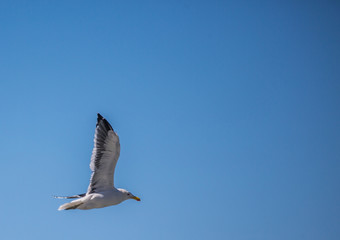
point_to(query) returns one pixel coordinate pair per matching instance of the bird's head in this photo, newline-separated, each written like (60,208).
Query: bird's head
(128,195)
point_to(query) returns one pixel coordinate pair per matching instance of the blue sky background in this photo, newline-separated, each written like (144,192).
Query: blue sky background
(227,111)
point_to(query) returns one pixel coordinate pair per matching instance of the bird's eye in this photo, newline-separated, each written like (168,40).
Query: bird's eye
(128,194)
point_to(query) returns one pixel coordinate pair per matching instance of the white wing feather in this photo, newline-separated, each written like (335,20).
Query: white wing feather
(104,157)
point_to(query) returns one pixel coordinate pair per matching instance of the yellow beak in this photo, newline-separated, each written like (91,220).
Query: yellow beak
(136,198)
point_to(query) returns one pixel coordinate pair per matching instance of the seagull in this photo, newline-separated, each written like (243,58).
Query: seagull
(101,191)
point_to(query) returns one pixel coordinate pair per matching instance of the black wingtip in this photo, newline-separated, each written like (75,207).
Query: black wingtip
(99,118)
(106,123)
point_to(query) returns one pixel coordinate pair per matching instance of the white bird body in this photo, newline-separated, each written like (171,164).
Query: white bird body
(101,191)
(97,200)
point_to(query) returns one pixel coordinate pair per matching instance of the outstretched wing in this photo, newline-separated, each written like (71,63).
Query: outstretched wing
(104,157)
(70,197)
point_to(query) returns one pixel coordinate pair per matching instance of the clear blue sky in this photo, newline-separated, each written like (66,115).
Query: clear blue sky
(227,111)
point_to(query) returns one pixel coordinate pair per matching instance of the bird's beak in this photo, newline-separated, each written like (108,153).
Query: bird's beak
(136,198)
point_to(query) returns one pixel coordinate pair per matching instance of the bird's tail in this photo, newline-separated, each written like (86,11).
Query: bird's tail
(71,205)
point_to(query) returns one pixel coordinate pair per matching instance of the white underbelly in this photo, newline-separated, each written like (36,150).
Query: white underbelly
(98,200)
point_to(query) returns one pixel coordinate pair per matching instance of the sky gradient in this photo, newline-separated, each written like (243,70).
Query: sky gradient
(227,112)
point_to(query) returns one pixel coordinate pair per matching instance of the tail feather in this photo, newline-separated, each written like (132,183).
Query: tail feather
(71,205)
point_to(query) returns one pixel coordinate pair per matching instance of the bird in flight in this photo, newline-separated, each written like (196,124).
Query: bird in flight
(101,191)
